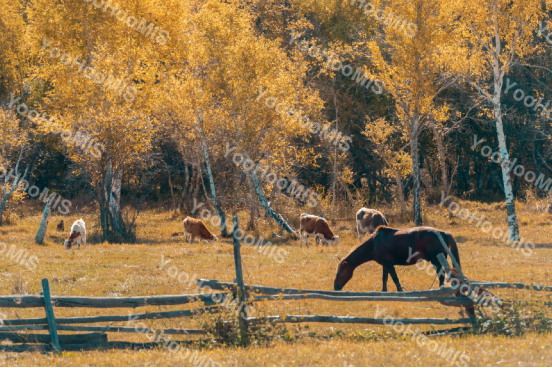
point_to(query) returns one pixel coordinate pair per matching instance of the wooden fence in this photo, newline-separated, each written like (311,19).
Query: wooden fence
(245,294)
(448,296)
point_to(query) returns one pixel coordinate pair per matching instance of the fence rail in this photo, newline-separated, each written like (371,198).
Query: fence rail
(510,285)
(100,329)
(99,319)
(362,320)
(37,301)
(217,285)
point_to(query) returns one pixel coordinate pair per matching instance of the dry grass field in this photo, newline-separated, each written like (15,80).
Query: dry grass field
(135,270)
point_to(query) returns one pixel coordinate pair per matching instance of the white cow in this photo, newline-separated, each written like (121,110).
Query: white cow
(78,234)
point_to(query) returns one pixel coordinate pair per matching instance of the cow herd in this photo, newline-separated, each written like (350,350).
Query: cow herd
(367,221)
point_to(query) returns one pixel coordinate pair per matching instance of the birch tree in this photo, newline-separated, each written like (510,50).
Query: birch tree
(228,69)
(503,32)
(416,70)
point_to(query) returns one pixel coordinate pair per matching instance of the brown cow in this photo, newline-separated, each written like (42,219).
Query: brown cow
(319,227)
(61,226)
(368,220)
(196,228)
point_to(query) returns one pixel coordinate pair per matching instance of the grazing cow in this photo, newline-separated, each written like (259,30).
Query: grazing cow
(391,247)
(319,227)
(196,228)
(61,226)
(78,234)
(368,220)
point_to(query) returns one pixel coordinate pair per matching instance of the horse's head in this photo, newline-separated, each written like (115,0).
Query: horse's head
(359,255)
(343,275)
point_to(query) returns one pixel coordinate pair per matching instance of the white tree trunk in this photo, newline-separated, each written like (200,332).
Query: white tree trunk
(498,82)
(510,201)
(277,217)
(212,185)
(116,189)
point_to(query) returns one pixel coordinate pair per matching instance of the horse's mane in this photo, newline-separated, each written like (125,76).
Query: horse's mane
(378,229)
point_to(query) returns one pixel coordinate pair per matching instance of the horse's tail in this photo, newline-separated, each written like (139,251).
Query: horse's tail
(453,248)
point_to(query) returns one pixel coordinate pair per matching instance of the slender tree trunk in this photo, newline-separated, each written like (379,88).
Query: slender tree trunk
(197,184)
(43,224)
(212,184)
(273,199)
(400,189)
(510,200)
(417,205)
(185,189)
(104,204)
(252,212)
(116,190)
(442,162)
(279,220)
(498,74)
(424,179)
(193,184)
(114,218)
(172,192)
(186,179)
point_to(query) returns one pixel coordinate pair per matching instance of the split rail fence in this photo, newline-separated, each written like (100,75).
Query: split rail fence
(13,329)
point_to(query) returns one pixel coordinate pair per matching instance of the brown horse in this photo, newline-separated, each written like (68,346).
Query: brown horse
(390,247)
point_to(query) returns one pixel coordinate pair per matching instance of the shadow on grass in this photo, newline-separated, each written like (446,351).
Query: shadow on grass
(112,345)
(543,246)
(461,239)
(20,348)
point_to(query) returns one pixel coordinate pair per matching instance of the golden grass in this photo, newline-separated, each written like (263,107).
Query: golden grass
(134,270)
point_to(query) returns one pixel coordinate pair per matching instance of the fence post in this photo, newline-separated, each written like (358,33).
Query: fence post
(443,260)
(456,265)
(44,223)
(239,280)
(50,315)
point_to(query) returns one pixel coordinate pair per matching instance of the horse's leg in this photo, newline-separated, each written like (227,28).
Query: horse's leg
(384,279)
(391,269)
(440,271)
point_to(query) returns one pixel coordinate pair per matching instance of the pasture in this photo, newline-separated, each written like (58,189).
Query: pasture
(104,269)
